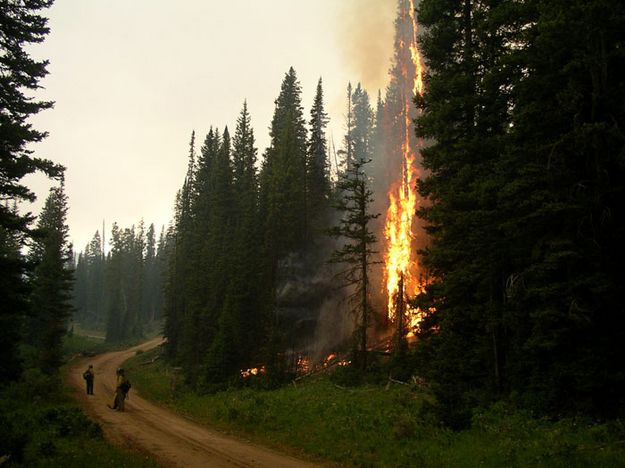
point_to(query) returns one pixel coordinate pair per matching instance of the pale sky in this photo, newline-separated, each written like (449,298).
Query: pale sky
(132,78)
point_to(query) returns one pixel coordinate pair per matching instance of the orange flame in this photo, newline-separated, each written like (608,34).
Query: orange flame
(245,373)
(415,55)
(400,259)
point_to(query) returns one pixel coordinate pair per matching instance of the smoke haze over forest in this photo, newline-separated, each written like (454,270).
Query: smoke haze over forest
(131,80)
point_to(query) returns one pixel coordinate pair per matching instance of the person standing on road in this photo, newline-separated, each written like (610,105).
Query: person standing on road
(89,375)
(121,390)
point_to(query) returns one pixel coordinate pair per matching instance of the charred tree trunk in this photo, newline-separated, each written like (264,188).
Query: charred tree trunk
(400,316)
(365,281)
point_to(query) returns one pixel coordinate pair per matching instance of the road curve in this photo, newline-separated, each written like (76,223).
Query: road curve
(171,439)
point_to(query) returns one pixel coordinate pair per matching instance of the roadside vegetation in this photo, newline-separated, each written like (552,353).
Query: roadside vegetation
(380,424)
(42,425)
(91,342)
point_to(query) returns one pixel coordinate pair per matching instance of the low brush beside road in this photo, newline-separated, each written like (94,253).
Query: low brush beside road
(171,439)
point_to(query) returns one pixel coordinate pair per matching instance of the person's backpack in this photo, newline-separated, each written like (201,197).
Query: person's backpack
(125,386)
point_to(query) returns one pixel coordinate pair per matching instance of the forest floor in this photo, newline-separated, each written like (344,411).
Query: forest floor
(170,438)
(379,424)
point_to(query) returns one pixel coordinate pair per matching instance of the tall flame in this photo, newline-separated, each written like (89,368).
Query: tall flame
(401,264)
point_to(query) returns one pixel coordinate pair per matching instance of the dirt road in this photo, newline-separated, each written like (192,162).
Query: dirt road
(171,439)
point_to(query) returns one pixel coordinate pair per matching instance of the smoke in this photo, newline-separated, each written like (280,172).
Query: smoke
(334,327)
(310,305)
(314,312)
(365,34)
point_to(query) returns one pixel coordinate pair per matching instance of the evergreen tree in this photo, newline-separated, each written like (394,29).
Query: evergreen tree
(94,314)
(241,305)
(378,145)
(179,242)
(523,102)
(152,282)
(20,26)
(348,141)
(318,177)
(14,305)
(124,284)
(80,288)
(362,124)
(51,281)
(356,250)
(216,249)
(465,113)
(283,174)
(564,294)
(117,304)
(90,296)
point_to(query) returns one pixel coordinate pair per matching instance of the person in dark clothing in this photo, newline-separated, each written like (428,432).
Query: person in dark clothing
(89,375)
(121,390)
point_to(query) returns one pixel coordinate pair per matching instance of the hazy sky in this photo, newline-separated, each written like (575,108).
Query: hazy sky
(132,78)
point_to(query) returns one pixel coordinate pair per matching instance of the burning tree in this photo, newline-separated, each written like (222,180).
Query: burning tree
(403,276)
(356,251)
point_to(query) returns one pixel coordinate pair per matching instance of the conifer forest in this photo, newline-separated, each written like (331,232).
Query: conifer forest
(465,231)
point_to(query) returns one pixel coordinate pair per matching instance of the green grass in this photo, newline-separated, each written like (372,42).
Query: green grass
(41,426)
(91,342)
(376,426)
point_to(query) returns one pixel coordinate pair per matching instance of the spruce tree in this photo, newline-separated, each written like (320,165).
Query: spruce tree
(565,295)
(52,281)
(180,247)
(243,294)
(283,174)
(21,25)
(466,115)
(522,105)
(317,167)
(362,124)
(356,251)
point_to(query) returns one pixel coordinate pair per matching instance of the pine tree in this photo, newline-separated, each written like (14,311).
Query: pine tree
(243,296)
(179,241)
(565,295)
(51,281)
(152,283)
(356,251)
(20,26)
(14,305)
(523,105)
(95,300)
(89,288)
(363,124)
(117,303)
(80,288)
(466,114)
(283,174)
(217,248)
(348,141)
(317,168)
(124,280)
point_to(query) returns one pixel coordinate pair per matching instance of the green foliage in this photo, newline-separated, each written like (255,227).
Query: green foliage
(40,426)
(283,175)
(51,282)
(523,102)
(213,323)
(373,425)
(89,289)
(234,236)
(21,25)
(122,292)
(77,344)
(317,165)
(355,251)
